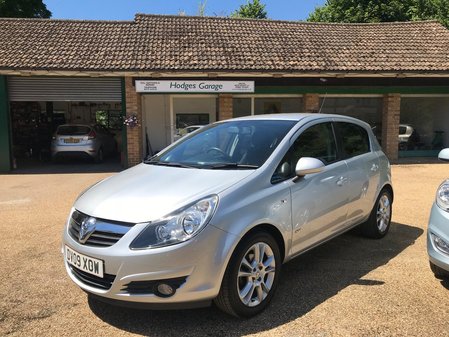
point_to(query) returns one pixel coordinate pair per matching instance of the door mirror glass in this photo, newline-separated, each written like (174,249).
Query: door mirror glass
(308,165)
(444,154)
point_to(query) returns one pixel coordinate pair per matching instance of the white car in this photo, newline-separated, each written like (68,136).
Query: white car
(77,140)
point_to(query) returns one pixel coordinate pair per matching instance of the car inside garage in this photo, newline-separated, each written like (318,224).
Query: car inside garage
(40,107)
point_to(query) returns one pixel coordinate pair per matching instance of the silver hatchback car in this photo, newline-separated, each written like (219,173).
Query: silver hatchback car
(92,141)
(215,215)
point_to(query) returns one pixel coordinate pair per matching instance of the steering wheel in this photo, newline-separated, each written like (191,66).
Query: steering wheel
(218,151)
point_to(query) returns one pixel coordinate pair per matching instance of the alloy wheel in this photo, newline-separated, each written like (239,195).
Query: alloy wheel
(256,274)
(383,213)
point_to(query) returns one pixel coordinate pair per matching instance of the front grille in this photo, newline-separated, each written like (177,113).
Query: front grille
(106,232)
(92,280)
(150,287)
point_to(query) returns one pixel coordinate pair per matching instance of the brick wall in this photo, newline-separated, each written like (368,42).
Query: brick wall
(311,103)
(225,107)
(391,114)
(134,135)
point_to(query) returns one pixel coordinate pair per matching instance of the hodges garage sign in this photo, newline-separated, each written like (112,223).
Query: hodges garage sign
(195,86)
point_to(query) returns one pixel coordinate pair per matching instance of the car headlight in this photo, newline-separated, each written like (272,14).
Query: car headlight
(442,198)
(177,227)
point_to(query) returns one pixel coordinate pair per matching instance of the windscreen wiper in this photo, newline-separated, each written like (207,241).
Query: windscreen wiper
(168,163)
(232,166)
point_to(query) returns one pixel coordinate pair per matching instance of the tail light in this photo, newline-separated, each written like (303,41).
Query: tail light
(91,135)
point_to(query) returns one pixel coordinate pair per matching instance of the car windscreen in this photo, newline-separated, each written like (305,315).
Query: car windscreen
(73,130)
(239,144)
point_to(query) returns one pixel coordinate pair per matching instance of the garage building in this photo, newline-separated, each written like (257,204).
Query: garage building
(171,72)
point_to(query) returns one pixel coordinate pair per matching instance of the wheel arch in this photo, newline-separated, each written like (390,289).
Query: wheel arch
(389,188)
(273,231)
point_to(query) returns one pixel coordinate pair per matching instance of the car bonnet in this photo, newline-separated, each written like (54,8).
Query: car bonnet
(148,193)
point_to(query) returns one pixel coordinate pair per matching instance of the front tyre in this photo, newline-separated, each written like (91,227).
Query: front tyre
(378,223)
(251,277)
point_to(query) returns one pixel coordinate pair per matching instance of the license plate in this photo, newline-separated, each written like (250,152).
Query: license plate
(71,140)
(85,263)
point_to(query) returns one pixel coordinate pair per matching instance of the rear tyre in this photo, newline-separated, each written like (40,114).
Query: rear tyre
(100,156)
(251,277)
(378,223)
(439,273)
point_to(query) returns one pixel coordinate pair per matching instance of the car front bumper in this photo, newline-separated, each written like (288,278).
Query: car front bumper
(196,267)
(438,227)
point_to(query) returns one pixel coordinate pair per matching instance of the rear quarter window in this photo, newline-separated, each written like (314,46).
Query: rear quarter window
(354,139)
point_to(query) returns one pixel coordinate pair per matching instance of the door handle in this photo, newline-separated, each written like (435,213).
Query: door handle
(341,181)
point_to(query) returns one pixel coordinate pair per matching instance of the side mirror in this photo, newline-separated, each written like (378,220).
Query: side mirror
(307,165)
(444,154)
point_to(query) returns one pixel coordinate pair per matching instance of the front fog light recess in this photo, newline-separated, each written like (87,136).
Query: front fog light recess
(441,244)
(177,227)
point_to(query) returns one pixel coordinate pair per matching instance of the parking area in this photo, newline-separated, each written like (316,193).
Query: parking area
(350,286)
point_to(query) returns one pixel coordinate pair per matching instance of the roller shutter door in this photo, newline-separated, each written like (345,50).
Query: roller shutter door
(47,89)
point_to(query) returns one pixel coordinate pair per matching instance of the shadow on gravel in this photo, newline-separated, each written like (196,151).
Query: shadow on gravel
(445,283)
(69,165)
(306,282)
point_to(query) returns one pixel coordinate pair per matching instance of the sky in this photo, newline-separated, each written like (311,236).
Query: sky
(126,9)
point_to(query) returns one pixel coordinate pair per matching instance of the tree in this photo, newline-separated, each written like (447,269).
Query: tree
(202,8)
(381,11)
(253,9)
(23,9)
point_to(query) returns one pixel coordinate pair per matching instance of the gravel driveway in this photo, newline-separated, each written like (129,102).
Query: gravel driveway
(350,286)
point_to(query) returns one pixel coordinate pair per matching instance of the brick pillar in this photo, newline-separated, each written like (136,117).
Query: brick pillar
(134,134)
(311,103)
(391,114)
(225,108)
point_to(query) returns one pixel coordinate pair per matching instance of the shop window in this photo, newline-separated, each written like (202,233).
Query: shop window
(185,120)
(424,126)
(241,107)
(367,109)
(277,105)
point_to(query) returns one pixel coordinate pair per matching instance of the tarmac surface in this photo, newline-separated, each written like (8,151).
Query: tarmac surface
(350,286)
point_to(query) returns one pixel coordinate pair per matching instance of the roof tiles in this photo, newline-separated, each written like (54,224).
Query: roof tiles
(181,43)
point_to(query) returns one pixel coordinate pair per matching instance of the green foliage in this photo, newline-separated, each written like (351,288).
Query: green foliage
(202,8)
(23,9)
(381,11)
(253,9)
